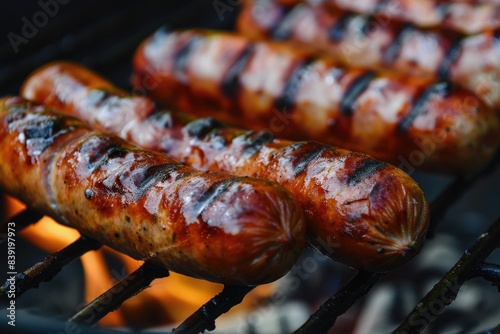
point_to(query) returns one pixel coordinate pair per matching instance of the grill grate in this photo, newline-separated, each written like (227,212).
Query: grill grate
(471,265)
(107,46)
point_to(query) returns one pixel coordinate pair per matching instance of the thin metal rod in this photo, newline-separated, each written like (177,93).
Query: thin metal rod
(446,290)
(489,272)
(324,318)
(115,296)
(18,222)
(45,270)
(204,318)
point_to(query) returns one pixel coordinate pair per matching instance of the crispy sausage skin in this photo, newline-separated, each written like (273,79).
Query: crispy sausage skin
(209,225)
(376,43)
(359,211)
(468,17)
(400,119)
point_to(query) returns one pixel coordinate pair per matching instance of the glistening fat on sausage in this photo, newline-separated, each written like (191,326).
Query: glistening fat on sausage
(359,211)
(468,17)
(437,126)
(472,61)
(209,225)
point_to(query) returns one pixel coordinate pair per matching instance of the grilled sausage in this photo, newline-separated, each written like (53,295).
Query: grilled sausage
(364,41)
(208,225)
(404,120)
(359,211)
(491,2)
(464,17)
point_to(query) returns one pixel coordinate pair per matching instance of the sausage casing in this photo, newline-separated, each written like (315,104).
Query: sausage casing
(464,16)
(359,211)
(209,225)
(404,120)
(380,43)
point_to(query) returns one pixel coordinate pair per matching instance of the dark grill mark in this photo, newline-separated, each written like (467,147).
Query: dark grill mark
(117,152)
(451,56)
(180,176)
(283,27)
(213,193)
(254,142)
(161,119)
(230,85)
(440,88)
(365,169)
(443,9)
(152,175)
(41,131)
(337,31)
(201,127)
(357,87)
(393,50)
(97,97)
(286,101)
(381,6)
(369,24)
(216,140)
(97,156)
(181,56)
(306,159)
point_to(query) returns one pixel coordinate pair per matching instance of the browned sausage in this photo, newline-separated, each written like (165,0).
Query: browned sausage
(434,126)
(380,43)
(463,16)
(360,211)
(208,225)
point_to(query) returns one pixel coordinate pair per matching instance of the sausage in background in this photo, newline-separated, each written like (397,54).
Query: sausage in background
(468,17)
(381,43)
(436,126)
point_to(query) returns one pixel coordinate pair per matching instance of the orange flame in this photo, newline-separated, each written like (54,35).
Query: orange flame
(168,300)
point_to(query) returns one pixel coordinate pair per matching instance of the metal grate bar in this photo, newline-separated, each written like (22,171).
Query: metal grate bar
(324,318)
(204,318)
(446,290)
(20,221)
(121,291)
(489,272)
(46,270)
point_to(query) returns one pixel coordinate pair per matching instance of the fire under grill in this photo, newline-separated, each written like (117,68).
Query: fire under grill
(103,35)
